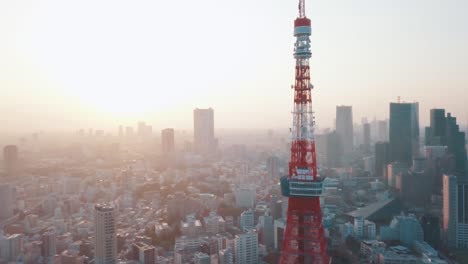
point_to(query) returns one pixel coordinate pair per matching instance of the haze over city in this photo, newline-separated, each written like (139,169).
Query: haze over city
(99,64)
(233,132)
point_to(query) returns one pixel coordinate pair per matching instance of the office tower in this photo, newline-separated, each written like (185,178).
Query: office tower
(141,128)
(456,146)
(359,227)
(334,150)
(121,131)
(431,227)
(280,226)
(129,131)
(344,127)
(382,158)
(404,131)
(455,212)
(11,247)
(414,186)
(7,198)
(273,168)
(49,248)
(304,239)
(201,258)
(383,130)
(267,229)
(11,161)
(247,220)
(143,253)
(105,237)
(226,256)
(444,131)
(367,137)
(167,141)
(245,196)
(203,124)
(436,133)
(246,248)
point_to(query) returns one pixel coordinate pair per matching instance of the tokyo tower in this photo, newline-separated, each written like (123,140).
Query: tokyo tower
(304,237)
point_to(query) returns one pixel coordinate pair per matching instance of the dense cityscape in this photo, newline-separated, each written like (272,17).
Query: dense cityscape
(391,190)
(390,196)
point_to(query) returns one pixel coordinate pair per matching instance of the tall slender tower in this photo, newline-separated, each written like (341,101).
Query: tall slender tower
(304,238)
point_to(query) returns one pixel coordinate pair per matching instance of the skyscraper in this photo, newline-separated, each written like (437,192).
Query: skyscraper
(436,133)
(444,131)
(203,122)
(456,146)
(273,168)
(7,200)
(49,246)
(247,220)
(366,137)
(246,248)
(167,141)
(10,159)
(455,212)
(344,127)
(404,131)
(267,228)
(105,237)
(383,130)
(382,158)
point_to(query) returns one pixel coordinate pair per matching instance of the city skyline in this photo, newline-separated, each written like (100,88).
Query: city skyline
(116,65)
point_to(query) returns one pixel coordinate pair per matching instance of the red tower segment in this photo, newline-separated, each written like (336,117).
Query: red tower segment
(304,238)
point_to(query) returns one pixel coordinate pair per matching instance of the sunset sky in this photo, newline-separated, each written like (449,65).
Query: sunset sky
(80,64)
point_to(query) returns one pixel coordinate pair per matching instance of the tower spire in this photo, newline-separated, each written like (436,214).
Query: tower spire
(302,9)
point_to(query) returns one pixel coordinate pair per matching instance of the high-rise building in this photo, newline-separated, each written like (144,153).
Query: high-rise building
(49,247)
(280,226)
(456,144)
(436,133)
(11,160)
(7,198)
(247,220)
(444,131)
(366,137)
(201,258)
(226,256)
(11,247)
(105,237)
(344,127)
(143,253)
(382,158)
(203,124)
(383,130)
(455,212)
(246,248)
(273,168)
(121,131)
(404,131)
(167,141)
(334,150)
(267,229)
(129,131)
(245,196)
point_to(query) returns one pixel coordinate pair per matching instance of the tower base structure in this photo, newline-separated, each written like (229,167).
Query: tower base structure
(304,238)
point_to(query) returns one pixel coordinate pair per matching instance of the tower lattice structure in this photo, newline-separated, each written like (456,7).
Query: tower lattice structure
(304,237)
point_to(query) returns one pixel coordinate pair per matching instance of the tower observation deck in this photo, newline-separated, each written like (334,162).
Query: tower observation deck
(304,238)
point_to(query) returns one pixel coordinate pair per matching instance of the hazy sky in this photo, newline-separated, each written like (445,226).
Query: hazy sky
(89,63)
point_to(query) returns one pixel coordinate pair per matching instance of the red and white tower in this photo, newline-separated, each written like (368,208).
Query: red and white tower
(304,238)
